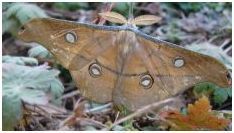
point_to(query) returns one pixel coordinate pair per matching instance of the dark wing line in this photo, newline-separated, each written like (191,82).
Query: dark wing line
(95,50)
(118,73)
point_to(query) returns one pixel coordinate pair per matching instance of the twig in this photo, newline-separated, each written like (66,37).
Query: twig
(36,109)
(56,109)
(108,8)
(117,116)
(93,110)
(38,124)
(141,111)
(95,123)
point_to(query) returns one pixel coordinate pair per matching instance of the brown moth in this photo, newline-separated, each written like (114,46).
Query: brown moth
(120,63)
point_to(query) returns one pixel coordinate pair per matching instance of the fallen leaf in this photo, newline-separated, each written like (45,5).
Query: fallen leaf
(199,117)
(78,112)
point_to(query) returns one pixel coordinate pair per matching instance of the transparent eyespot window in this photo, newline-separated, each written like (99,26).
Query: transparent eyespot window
(95,70)
(178,62)
(71,37)
(146,81)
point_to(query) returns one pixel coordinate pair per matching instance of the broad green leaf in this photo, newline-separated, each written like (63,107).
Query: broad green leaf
(11,109)
(19,60)
(29,84)
(229,92)
(121,7)
(33,96)
(204,89)
(25,11)
(220,95)
(70,6)
(17,14)
(39,52)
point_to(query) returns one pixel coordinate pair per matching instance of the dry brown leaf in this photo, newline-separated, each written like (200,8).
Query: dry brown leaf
(114,17)
(78,112)
(146,20)
(199,117)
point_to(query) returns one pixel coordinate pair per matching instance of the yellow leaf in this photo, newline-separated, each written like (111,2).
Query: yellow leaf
(199,117)
(114,17)
(146,20)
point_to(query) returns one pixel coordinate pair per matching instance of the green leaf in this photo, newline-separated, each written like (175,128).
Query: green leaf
(17,14)
(220,96)
(33,96)
(24,12)
(70,6)
(206,88)
(118,128)
(122,8)
(11,109)
(229,92)
(19,60)
(34,85)
(39,52)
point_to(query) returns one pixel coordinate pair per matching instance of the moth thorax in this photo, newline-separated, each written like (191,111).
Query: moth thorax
(130,23)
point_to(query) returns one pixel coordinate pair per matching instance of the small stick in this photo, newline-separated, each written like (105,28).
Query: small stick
(107,9)
(94,122)
(99,108)
(141,111)
(117,116)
